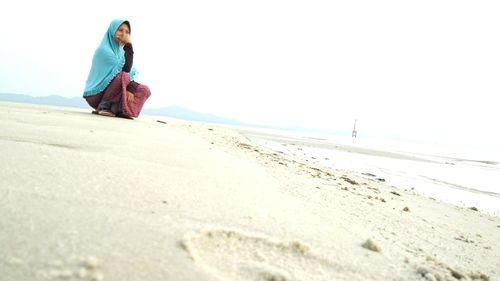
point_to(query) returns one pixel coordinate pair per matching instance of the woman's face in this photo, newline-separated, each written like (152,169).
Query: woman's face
(121,33)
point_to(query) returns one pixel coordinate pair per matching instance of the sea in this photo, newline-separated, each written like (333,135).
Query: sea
(463,175)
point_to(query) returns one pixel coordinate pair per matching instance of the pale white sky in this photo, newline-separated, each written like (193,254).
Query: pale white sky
(418,69)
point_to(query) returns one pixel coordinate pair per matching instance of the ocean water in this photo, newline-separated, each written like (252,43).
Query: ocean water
(465,176)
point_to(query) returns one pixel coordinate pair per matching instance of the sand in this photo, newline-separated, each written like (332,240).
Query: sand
(86,197)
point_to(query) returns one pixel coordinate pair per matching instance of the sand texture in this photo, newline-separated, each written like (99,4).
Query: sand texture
(86,197)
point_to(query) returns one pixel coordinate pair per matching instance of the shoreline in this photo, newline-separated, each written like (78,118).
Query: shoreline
(306,140)
(323,152)
(86,197)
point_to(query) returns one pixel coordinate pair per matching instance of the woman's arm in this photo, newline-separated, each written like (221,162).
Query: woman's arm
(129,57)
(129,60)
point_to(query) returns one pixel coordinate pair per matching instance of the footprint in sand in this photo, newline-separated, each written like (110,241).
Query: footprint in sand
(233,255)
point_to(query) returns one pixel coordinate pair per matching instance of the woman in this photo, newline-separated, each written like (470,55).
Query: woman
(111,88)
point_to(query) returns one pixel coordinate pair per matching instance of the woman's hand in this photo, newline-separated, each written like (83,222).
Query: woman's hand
(130,97)
(126,39)
(123,39)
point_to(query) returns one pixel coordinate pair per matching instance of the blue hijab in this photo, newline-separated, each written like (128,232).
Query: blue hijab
(108,61)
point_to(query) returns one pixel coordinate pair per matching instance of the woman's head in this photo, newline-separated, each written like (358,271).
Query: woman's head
(122,33)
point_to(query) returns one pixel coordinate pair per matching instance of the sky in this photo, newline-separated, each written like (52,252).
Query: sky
(426,70)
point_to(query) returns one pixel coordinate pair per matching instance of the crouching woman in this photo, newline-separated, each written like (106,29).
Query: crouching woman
(111,87)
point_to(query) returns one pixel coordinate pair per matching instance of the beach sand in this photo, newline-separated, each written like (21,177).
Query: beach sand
(86,197)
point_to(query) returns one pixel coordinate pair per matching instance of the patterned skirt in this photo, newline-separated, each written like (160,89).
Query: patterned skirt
(115,97)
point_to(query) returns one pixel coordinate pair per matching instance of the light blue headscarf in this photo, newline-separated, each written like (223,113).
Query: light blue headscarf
(108,61)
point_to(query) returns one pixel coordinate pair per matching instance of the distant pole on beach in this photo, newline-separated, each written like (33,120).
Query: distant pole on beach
(354,132)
